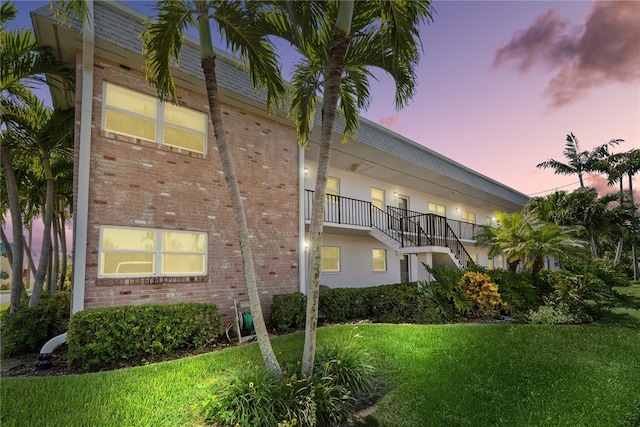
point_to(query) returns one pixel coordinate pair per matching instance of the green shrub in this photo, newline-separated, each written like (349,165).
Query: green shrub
(104,337)
(345,304)
(557,314)
(28,329)
(288,312)
(252,398)
(604,269)
(516,289)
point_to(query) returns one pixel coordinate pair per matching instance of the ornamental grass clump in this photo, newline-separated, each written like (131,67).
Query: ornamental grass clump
(482,292)
(252,398)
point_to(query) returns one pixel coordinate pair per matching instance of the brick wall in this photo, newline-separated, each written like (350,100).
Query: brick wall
(136,183)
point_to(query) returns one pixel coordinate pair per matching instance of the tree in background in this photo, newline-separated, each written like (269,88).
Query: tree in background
(579,162)
(23,65)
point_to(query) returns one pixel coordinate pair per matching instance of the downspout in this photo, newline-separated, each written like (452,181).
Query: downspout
(302,258)
(82,207)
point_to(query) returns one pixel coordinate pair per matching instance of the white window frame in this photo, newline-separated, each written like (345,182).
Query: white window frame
(434,208)
(376,199)
(471,217)
(338,259)
(374,259)
(159,119)
(158,253)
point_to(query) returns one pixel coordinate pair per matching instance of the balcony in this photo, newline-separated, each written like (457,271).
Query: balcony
(406,228)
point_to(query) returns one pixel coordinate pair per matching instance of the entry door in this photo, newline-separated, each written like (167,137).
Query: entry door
(404,268)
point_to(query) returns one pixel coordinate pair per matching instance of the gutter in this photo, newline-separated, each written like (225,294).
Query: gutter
(82,208)
(302,259)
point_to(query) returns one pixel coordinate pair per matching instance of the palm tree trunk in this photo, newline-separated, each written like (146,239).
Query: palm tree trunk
(16,226)
(43,263)
(55,262)
(5,244)
(329,110)
(30,262)
(226,159)
(30,265)
(63,248)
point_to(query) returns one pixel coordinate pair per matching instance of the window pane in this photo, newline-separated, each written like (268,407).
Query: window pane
(130,125)
(333,186)
(126,239)
(130,100)
(183,242)
(127,264)
(330,258)
(183,138)
(185,117)
(379,260)
(377,198)
(330,265)
(183,264)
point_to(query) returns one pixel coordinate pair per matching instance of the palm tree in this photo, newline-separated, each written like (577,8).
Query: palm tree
(549,239)
(505,238)
(338,42)
(525,239)
(579,162)
(46,135)
(162,43)
(23,65)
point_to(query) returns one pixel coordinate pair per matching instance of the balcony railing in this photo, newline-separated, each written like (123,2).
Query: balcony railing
(408,228)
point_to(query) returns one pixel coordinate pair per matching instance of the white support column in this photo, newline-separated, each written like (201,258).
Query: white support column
(302,253)
(84,157)
(423,274)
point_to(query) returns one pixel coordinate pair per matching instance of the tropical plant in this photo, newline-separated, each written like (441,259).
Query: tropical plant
(338,42)
(46,134)
(527,240)
(23,65)
(243,35)
(579,162)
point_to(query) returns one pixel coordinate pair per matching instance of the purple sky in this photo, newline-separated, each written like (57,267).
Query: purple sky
(502,83)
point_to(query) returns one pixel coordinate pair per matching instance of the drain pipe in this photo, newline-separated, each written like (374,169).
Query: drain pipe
(302,258)
(82,208)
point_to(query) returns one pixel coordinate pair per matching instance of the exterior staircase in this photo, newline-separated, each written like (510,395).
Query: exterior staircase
(406,231)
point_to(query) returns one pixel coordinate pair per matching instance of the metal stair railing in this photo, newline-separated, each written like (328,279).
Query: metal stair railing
(408,228)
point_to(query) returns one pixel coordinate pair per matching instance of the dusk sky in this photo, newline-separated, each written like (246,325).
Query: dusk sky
(502,83)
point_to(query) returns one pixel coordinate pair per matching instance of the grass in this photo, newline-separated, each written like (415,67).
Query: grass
(450,375)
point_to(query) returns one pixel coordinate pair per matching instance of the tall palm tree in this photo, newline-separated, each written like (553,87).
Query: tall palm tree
(45,134)
(23,65)
(162,43)
(579,162)
(339,41)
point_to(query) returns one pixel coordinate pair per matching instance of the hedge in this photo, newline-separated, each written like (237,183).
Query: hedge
(105,337)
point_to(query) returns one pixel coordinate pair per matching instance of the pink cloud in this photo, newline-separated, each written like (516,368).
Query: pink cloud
(605,49)
(390,122)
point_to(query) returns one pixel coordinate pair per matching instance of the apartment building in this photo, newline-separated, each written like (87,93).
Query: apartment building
(153,220)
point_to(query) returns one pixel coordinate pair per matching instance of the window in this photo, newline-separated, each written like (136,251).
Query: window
(126,252)
(468,217)
(379,260)
(333,186)
(489,221)
(377,198)
(141,116)
(438,209)
(490,264)
(333,189)
(331,258)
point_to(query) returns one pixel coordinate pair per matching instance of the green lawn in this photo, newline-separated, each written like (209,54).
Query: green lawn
(449,375)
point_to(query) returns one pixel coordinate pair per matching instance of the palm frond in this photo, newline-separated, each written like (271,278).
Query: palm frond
(162,44)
